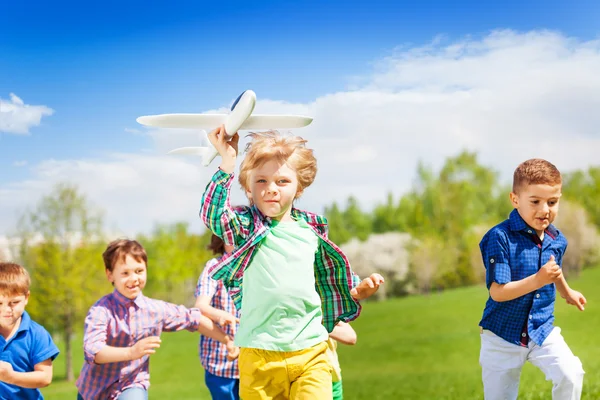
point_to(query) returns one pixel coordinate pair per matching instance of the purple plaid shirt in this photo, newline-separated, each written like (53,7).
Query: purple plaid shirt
(120,322)
(213,354)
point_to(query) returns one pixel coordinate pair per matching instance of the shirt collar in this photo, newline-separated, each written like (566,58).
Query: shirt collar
(25,322)
(295,213)
(518,224)
(139,301)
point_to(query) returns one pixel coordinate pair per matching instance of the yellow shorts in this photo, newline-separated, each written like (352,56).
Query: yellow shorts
(278,375)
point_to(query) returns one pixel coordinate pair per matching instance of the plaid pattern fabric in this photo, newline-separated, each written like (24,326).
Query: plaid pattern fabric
(245,227)
(213,354)
(512,251)
(121,322)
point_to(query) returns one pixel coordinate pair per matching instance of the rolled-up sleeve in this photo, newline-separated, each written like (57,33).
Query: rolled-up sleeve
(494,251)
(94,337)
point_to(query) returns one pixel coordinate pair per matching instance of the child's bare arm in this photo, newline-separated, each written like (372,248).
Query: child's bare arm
(343,333)
(549,273)
(209,329)
(221,317)
(571,296)
(367,287)
(40,377)
(144,347)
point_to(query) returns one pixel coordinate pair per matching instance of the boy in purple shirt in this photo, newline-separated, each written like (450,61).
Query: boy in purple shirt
(123,329)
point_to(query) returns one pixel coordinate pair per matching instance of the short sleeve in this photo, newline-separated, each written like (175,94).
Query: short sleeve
(562,249)
(206,285)
(43,347)
(494,251)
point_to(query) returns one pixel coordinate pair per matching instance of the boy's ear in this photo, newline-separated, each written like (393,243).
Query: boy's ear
(514,199)
(109,276)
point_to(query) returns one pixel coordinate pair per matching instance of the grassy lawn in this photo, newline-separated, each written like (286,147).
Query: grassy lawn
(422,347)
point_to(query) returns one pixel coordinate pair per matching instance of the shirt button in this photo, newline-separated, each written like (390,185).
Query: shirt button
(529,231)
(537,295)
(491,260)
(523,334)
(531,316)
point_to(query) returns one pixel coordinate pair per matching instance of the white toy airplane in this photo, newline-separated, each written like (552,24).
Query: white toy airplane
(240,117)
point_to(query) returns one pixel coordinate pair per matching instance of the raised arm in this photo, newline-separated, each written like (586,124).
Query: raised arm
(215,210)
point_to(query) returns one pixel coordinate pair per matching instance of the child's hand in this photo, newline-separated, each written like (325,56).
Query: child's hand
(6,369)
(144,347)
(367,287)
(226,318)
(549,272)
(232,350)
(576,299)
(228,149)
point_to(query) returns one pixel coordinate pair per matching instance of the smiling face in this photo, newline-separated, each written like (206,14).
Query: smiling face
(537,204)
(11,309)
(273,187)
(128,276)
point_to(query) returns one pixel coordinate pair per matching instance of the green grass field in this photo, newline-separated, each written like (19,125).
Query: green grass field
(422,347)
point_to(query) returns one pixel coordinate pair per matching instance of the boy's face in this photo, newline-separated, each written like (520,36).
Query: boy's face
(129,277)
(11,309)
(273,188)
(537,205)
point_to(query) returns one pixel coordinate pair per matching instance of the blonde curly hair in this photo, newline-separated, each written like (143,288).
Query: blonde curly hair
(290,150)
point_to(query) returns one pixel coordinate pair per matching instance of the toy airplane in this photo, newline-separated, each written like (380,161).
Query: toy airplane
(240,117)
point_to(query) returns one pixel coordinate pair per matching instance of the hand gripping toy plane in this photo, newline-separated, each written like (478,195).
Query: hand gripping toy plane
(239,117)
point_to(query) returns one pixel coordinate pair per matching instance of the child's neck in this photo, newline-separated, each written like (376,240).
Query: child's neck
(9,331)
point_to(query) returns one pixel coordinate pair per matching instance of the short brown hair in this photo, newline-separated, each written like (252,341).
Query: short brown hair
(216,245)
(119,249)
(14,279)
(271,145)
(536,172)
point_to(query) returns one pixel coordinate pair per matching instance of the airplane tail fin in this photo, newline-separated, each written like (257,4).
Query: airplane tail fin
(206,153)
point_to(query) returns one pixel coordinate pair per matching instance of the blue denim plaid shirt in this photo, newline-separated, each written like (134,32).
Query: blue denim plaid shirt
(512,251)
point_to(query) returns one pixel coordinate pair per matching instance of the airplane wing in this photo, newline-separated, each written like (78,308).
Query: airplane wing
(258,121)
(211,121)
(183,120)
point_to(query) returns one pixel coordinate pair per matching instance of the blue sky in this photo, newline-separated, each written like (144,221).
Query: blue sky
(99,66)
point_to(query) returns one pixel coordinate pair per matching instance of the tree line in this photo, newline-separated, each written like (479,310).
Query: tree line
(447,213)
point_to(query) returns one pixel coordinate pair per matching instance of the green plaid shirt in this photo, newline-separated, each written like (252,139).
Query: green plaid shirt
(245,227)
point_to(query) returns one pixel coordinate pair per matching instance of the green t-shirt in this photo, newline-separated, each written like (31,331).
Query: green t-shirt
(281,309)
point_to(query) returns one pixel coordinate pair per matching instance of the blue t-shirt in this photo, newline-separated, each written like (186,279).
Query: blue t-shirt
(31,345)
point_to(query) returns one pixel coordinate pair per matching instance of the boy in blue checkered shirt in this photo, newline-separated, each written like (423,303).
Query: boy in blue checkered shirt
(522,257)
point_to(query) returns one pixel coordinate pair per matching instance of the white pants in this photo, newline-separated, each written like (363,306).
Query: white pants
(501,364)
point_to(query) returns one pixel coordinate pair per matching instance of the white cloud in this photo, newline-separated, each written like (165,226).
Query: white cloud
(18,117)
(509,96)
(20,163)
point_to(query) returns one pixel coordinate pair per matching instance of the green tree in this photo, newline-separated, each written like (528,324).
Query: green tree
(176,258)
(584,188)
(60,246)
